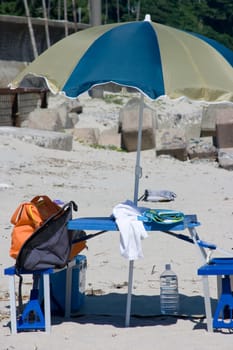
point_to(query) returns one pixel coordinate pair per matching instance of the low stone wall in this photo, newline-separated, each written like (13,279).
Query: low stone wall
(18,47)
(42,138)
(16,105)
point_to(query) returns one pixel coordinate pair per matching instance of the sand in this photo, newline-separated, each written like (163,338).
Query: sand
(97,180)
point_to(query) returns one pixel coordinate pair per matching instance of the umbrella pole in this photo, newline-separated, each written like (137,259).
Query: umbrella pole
(130,285)
(138,173)
(138,169)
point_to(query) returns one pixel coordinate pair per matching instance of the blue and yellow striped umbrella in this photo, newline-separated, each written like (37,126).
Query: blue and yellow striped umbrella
(153,58)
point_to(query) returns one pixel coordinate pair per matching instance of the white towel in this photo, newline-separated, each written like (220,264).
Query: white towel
(131,230)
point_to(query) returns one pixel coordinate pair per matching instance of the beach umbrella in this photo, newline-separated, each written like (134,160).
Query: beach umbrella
(152,58)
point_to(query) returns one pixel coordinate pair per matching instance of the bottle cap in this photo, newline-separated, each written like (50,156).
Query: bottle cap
(168,266)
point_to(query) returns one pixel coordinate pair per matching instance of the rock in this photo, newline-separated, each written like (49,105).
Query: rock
(96,92)
(171,142)
(44,119)
(72,105)
(87,135)
(225,158)
(178,113)
(74,117)
(55,119)
(76,109)
(192,131)
(66,121)
(110,137)
(202,148)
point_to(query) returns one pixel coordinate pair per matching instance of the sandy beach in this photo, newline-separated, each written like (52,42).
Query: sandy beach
(97,180)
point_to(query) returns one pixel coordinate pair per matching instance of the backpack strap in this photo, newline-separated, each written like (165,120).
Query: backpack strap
(85,237)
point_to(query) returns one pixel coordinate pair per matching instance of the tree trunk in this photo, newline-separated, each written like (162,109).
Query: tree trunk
(48,8)
(138,11)
(46,23)
(59,10)
(65,18)
(106,12)
(118,11)
(74,15)
(95,12)
(33,41)
(128,7)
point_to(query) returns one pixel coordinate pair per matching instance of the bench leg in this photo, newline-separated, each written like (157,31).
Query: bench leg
(207,303)
(13,304)
(47,307)
(225,303)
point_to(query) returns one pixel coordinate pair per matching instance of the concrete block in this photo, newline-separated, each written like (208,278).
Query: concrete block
(192,131)
(225,158)
(129,116)
(66,121)
(209,115)
(96,92)
(87,135)
(111,87)
(76,109)
(171,142)
(110,137)
(44,119)
(224,128)
(72,105)
(74,117)
(202,148)
(41,138)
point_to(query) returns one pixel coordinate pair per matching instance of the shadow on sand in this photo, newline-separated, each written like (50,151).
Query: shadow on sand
(145,311)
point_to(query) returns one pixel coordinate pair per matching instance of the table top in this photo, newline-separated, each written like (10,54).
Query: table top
(109,224)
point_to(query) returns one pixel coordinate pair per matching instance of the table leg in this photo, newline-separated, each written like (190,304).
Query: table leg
(195,238)
(207,303)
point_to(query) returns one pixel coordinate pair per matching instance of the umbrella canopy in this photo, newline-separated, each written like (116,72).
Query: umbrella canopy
(153,58)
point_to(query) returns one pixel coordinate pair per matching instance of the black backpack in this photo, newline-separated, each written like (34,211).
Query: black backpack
(50,245)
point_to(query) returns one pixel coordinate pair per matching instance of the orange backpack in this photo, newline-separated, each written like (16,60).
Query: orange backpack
(27,218)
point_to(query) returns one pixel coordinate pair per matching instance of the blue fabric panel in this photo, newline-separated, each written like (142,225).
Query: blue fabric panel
(223,50)
(127,55)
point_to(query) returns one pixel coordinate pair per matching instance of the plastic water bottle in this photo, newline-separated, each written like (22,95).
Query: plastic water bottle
(169,295)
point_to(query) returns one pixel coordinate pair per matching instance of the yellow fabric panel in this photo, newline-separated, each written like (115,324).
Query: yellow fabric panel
(61,58)
(188,73)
